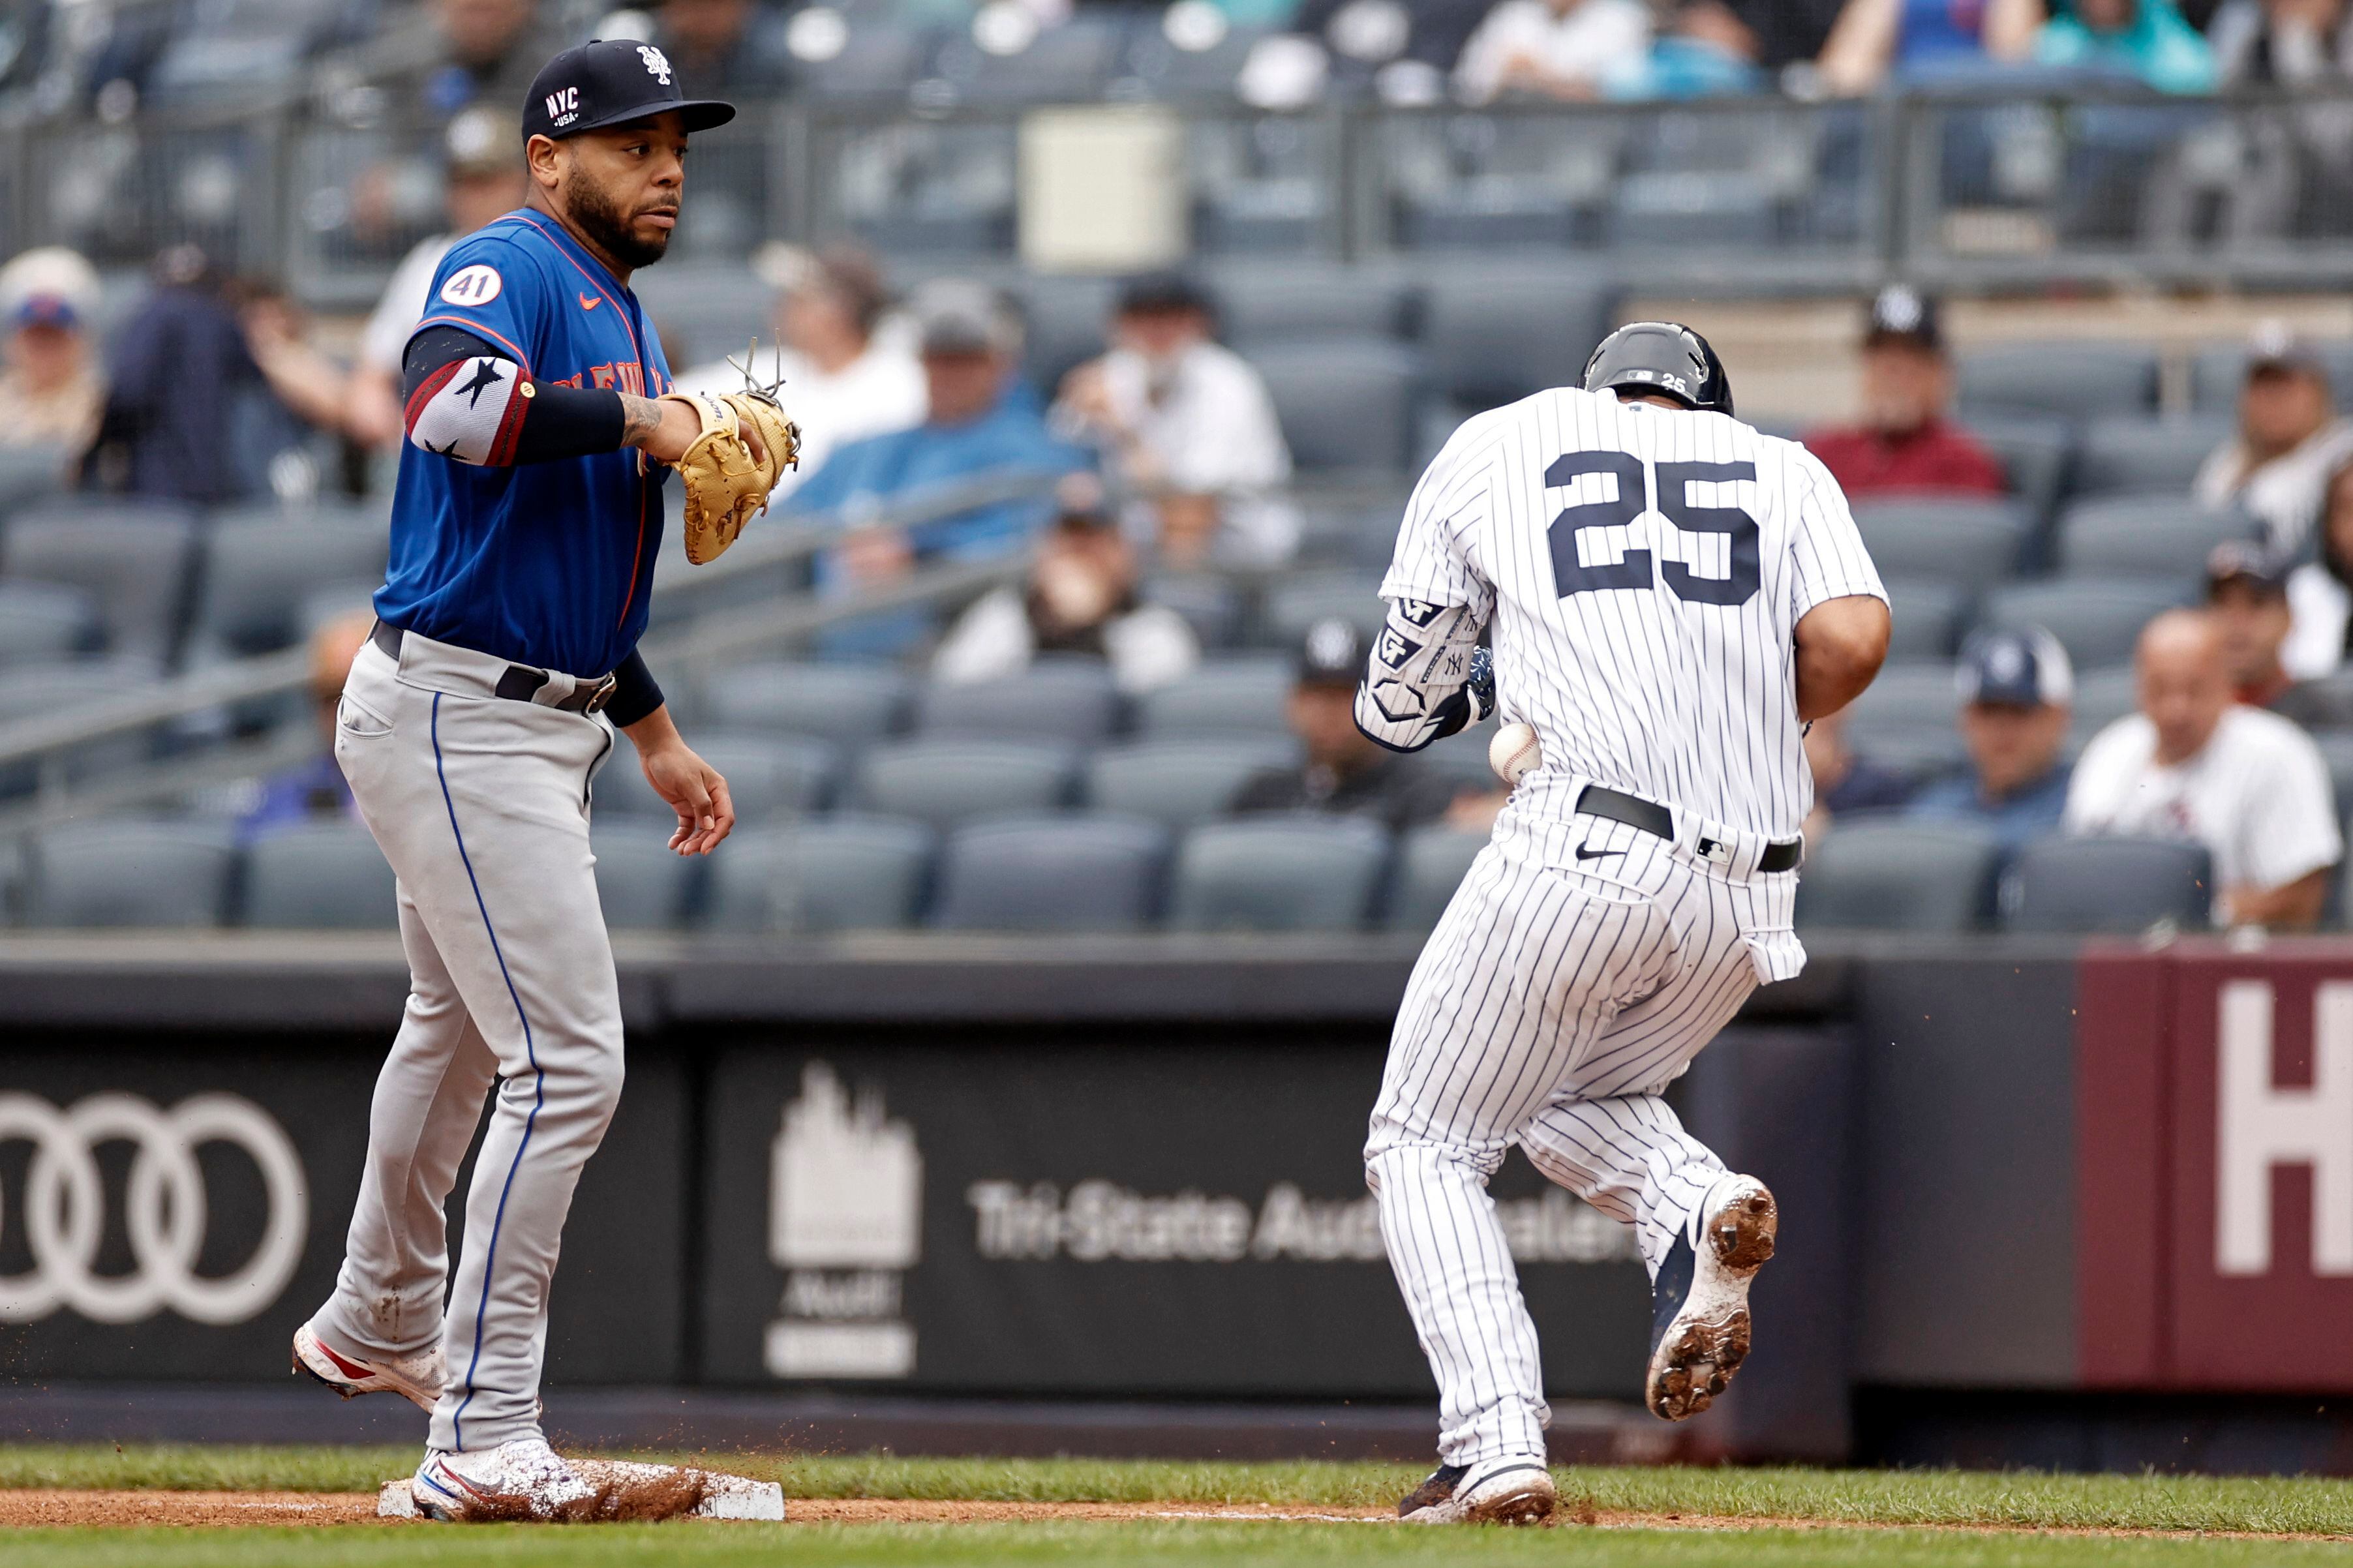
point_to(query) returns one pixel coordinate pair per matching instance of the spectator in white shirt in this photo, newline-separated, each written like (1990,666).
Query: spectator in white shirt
(1554,48)
(482,177)
(2289,439)
(846,373)
(2320,592)
(1079,600)
(1188,427)
(2194,765)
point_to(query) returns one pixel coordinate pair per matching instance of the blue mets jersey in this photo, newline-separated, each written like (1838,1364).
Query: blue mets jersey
(542,564)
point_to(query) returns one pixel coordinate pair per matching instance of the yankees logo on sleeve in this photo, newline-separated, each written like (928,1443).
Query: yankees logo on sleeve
(1642,572)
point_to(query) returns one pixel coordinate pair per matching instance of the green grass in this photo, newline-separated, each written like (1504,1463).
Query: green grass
(1858,1497)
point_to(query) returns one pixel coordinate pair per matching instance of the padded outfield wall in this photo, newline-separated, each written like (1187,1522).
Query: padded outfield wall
(2024,1187)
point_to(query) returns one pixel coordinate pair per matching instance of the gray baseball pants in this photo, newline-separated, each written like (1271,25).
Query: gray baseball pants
(480,803)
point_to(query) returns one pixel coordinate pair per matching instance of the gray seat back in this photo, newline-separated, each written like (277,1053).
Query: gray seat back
(824,874)
(850,704)
(2125,535)
(1493,341)
(1972,544)
(1052,873)
(2136,452)
(768,776)
(43,622)
(1928,617)
(1432,863)
(132,560)
(320,875)
(1898,876)
(944,783)
(2086,380)
(1059,699)
(132,873)
(256,573)
(1221,698)
(1345,406)
(1278,873)
(2107,885)
(1906,719)
(1297,604)
(1179,782)
(642,884)
(2097,619)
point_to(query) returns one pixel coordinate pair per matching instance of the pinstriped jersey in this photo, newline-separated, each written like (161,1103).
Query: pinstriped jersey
(1642,569)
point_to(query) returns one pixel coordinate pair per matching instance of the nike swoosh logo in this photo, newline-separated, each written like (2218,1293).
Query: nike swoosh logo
(589,301)
(1583,853)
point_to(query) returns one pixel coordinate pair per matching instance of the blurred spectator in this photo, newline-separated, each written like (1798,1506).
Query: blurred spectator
(2144,39)
(1703,47)
(2246,592)
(720,47)
(2320,592)
(971,351)
(2192,763)
(1877,42)
(482,177)
(2289,439)
(1080,601)
(843,379)
(315,789)
(1773,33)
(1907,442)
(2017,691)
(1344,772)
(1189,425)
(179,382)
(50,393)
(1845,781)
(2283,43)
(1552,48)
(453,53)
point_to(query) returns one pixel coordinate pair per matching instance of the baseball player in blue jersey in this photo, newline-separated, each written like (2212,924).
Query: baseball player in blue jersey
(523,535)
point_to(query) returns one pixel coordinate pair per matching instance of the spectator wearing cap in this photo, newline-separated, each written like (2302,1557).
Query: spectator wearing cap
(1907,443)
(2016,694)
(2320,591)
(51,393)
(1344,773)
(1564,49)
(2246,593)
(2194,765)
(1080,602)
(2288,441)
(845,378)
(482,177)
(971,348)
(1189,426)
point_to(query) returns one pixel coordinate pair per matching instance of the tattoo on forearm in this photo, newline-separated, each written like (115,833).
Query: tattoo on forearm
(640,416)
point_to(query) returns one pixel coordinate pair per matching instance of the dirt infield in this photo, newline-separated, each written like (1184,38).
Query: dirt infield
(60,1507)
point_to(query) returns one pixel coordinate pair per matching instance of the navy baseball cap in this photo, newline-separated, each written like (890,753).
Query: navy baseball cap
(1901,315)
(2244,561)
(2023,669)
(610,81)
(1332,654)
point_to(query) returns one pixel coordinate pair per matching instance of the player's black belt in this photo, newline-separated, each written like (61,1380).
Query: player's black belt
(521,682)
(1657,820)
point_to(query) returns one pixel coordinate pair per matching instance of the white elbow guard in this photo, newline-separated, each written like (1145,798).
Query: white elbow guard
(470,409)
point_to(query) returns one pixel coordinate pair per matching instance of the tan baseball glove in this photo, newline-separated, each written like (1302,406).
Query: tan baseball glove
(726,486)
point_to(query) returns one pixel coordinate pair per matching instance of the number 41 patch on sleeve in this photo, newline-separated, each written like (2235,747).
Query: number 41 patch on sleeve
(476,285)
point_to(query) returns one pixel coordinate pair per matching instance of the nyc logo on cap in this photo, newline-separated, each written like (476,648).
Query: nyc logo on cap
(656,63)
(564,106)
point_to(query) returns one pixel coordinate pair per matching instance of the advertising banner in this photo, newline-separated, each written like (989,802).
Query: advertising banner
(171,1207)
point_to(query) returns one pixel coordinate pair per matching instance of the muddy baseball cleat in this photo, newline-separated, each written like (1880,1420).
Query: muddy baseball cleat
(526,1481)
(417,1377)
(1515,1491)
(514,1482)
(1699,1303)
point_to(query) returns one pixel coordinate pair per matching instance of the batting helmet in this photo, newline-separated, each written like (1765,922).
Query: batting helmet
(1665,357)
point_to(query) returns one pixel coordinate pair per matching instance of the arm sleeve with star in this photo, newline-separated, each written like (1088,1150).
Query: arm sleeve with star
(467,402)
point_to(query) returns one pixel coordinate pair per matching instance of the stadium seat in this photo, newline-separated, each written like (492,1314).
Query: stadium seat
(767,777)
(1298,602)
(1179,782)
(2034,453)
(2337,750)
(1493,341)
(30,474)
(2074,381)
(41,623)
(1876,875)
(256,574)
(1928,618)
(2097,619)
(2129,452)
(822,873)
(2166,536)
(2217,373)
(849,704)
(1067,873)
(131,872)
(1968,543)
(320,875)
(1054,700)
(642,884)
(2107,885)
(37,690)
(1432,863)
(944,783)
(1068,61)
(1278,873)
(711,310)
(1905,720)
(1206,600)
(1068,322)
(1269,303)
(1224,696)
(1345,406)
(2102,697)
(131,559)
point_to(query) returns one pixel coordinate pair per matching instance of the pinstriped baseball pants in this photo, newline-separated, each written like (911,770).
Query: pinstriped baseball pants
(1549,1009)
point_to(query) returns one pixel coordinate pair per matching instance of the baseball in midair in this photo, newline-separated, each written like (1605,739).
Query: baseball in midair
(1513,752)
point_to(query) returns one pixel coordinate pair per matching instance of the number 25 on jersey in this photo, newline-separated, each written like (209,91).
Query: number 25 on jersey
(1637,480)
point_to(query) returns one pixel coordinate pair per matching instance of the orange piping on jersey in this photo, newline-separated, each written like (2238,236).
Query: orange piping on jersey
(583,272)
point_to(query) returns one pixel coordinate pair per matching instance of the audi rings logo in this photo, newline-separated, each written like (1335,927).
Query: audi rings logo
(64,1208)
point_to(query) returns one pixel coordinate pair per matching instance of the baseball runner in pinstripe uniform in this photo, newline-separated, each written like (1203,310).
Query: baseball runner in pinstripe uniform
(1672,596)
